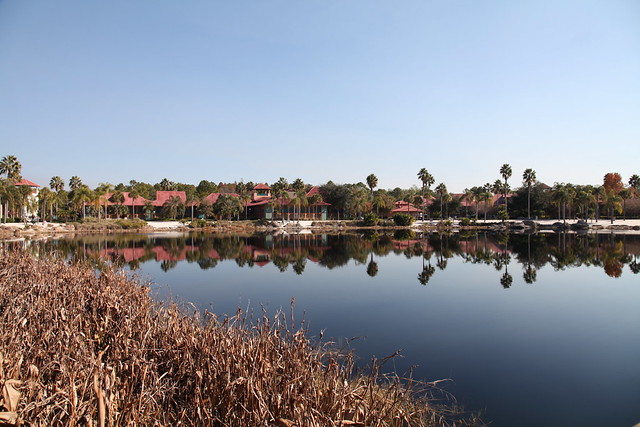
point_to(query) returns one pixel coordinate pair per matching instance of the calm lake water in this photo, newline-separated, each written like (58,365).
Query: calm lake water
(534,330)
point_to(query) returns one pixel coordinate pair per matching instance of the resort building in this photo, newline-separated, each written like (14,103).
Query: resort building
(30,209)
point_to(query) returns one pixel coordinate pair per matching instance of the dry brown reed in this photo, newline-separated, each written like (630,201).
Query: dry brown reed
(85,348)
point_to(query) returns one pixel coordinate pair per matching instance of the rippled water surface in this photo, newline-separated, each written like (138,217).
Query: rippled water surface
(533,329)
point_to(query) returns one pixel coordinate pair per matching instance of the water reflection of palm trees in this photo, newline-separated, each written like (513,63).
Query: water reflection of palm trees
(610,252)
(427,270)
(372,267)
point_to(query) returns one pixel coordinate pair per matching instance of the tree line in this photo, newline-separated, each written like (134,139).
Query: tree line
(72,200)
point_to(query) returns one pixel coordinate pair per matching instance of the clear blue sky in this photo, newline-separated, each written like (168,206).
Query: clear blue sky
(326,89)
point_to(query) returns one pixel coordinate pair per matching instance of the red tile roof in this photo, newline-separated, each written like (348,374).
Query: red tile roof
(262,187)
(163,196)
(27,182)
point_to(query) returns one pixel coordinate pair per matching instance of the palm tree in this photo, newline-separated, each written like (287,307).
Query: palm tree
(314,200)
(173,207)
(613,202)
(625,194)
(468,197)
(81,196)
(56,183)
(476,196)
(279,191)
(103,189)
(10,166)
(372,182)
(245,197)
(299,195)
(381,200)
(426,178)
(357,203)
(74,183)
(148,207)
(441,190)
(528,178)
(506,172)
(634,183)
(486,196)
(134,195)
(167,185)
(117,198)
(227,206)
(46,197)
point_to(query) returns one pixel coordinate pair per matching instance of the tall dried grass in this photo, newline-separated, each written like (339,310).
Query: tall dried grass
(82,348)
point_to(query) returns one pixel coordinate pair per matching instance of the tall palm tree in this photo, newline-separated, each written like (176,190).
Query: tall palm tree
(74,183)
(243,190)
(529,178)
(134,195)
(10,166)
(505,172)
(468,197)
(103,189)
(279,191)
(441,190)
(372,182)
(298,195)
(476,194)
(426,178)
(486,196)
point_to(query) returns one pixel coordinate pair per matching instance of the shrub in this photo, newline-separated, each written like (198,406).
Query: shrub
(131,224)
(402,219)
(198,223)
(370,220)
(466,222)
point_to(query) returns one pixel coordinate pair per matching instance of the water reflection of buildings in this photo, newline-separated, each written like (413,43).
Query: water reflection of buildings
(613,253)
(259,251)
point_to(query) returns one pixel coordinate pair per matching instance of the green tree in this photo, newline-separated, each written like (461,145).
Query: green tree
(81,196)
(167,185)
(46,198)
(441,191)
(279,191)
(505,172)
(227,206)
(625,194)
(173,208)
(299,195)
(134,195)
(206,208)
(75,182)
(612,202)
(528,179)
(117,198)
(634,183)
(427,180)
(372,182)
(11,167)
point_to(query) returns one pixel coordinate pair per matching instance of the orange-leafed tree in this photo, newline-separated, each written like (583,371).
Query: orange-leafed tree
(613,182)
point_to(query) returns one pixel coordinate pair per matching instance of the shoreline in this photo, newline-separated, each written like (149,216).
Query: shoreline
(631,226)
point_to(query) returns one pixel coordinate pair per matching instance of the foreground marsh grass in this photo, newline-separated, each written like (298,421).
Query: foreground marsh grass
(80,348)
